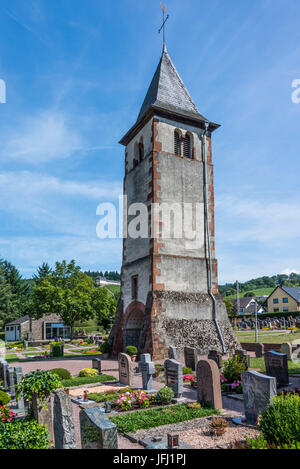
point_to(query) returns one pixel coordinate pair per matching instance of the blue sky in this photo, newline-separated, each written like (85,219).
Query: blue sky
(76,75)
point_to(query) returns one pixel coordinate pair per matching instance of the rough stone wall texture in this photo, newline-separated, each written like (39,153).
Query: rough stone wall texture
(38,326)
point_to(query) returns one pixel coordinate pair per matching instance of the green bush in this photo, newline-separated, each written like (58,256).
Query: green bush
(233,369)
(23,434)
(164,396)
(57,349)
(88,373)
(39,383)
(131,350)
(187,371)
(69,383)
(105,347)
(62,373)
(280,422)
(150,418)
(4,398)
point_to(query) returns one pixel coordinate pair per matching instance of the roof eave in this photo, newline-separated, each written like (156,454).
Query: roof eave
(173,114)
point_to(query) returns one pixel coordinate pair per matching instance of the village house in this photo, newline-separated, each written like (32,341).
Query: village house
(247,306)
(35,330)
(284,300)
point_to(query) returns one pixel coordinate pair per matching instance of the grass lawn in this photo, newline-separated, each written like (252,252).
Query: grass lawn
(78,381)
(259,364)
(267,337)
(11,357)
(149,418)
(104,396)
(257,292)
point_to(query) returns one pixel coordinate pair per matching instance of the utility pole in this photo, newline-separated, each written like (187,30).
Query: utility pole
(237,298)
(256,329)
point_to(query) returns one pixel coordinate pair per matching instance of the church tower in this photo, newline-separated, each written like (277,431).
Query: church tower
(169,281)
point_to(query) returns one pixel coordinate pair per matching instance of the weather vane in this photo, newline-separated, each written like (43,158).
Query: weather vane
(165,19)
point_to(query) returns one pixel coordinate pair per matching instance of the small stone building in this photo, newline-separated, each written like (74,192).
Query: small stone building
(35,330)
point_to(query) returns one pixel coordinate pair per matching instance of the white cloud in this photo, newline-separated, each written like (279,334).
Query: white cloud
(289,271)
(42,137)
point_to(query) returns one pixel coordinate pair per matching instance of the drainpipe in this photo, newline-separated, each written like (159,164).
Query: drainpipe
(208,243)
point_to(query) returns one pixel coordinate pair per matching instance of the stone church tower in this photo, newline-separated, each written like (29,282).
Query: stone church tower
(169,285)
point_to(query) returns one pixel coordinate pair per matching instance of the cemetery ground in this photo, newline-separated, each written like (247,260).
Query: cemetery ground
(137,426)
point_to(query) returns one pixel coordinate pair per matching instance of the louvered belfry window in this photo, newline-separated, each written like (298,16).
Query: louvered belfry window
(187,146)
(177,143)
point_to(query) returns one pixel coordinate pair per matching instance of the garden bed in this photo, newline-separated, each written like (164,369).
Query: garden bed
(158,416)
(80,381)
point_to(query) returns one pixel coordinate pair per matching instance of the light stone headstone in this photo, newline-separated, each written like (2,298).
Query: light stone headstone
(258,390)
(147,368)
(172,353)
(125,369)
(97,431)
(97,365)
(277,366)
(287,349)
(3,368)
(190,357)
(11,374)
(174,377)
(20,400)
(208,383)
(63,422)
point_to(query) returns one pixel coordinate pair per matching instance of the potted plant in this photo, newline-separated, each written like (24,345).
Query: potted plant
(132,351)
(218,426)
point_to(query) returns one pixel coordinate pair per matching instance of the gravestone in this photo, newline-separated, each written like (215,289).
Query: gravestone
(258,390)
(243,357)
(20,400)
(63,423)
(97,365)
(125,369)
(43,414)
(11,374)
(97,431)
(277,366)
(287,349)
(3,373)
(172,353)
(190,357)
(216,357)
(208,383)
(259,350)
(174,377)
(147,368)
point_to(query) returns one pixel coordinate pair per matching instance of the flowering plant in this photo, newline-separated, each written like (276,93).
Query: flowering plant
(189,378)
(142,399)
(223,379)
(125,400)
(6,415)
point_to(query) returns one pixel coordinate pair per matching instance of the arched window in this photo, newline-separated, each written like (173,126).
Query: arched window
(177,143)
(187,147)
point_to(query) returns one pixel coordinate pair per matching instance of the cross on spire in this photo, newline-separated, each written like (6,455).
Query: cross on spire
(165,19)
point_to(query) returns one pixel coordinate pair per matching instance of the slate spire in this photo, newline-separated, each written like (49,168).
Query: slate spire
(168,91)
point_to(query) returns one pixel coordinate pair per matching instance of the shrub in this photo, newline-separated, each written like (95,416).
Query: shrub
(126,400)
(4,398)
(233,369)
(187,371)
(164,396)
(39,383)
(62,373)
(105,347)
(131,350)
(280,422)
(57,349)
(87,373)
(6,415)
(23,434)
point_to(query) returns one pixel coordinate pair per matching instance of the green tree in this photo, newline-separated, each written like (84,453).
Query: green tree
(19,288)
(8,302)
(42,272)
(104,305)
(66,292)
(229,305)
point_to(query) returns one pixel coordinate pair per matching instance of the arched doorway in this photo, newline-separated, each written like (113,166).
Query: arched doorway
(133,328)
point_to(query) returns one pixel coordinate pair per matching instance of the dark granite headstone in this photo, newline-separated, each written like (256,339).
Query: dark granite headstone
(172,353)
(97,431)
(97,365)
(277,366)
(63,424)
(216,357)
(258,390)
(174,377)
(190,357)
